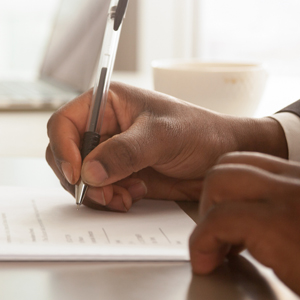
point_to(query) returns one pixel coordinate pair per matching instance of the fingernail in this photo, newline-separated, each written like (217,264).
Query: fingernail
(97,195)
(93,173)
(138,190)
(68,171)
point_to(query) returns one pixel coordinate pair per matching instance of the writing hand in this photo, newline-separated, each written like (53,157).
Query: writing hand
(152,145)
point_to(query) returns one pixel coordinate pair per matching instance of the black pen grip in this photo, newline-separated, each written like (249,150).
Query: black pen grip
(90,141)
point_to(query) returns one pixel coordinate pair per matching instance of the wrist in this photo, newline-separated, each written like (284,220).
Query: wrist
(264,135)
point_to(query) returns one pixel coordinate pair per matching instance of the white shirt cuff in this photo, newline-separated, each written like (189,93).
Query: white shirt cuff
(291,127)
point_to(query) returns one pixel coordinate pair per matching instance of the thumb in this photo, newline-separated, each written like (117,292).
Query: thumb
(120,156)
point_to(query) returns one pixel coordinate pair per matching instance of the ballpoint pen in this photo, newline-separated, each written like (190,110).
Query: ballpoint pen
(91,137)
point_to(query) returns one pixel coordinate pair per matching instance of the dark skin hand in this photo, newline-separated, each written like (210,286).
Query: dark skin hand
(250,201)
(152,145)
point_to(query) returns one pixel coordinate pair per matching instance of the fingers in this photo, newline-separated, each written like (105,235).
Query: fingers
(122,155)
(254,207)
(140,129)
(159,186)
(65,129)
(145,184)
(266,162)
(227,183)
(153,132)
(231,185)
(269,232)
(111,197)
(128,144)
(113,160)
(236,179)
(58,172)
(231,224)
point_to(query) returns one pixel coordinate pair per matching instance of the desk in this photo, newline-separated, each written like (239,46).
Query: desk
(239,278)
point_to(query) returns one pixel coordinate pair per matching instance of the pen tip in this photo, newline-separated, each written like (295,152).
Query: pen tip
(80,192)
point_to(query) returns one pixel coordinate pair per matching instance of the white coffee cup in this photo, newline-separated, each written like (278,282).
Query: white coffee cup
(230,88)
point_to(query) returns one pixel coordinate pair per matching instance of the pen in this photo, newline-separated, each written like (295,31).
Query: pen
(91,137)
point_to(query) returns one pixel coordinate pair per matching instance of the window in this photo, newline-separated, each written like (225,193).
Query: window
(241,30)
(24,29)
(266,31)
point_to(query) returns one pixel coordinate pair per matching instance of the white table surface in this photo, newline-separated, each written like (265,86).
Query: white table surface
(23,141)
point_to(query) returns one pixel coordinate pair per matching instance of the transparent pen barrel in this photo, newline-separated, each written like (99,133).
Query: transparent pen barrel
(105,68)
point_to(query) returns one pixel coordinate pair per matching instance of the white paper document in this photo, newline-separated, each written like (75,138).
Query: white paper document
(45,224)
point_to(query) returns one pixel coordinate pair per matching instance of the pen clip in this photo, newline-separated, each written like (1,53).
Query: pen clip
(120,12)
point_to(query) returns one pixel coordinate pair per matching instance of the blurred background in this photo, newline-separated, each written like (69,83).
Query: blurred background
(238,30)
(265,31)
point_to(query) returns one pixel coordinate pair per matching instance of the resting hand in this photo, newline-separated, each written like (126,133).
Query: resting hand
(152,145)
(250,201)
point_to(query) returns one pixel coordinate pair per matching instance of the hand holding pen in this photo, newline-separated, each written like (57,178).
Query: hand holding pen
(152,145)
(106,63)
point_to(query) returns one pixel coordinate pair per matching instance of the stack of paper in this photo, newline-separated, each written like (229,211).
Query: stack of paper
(41,224)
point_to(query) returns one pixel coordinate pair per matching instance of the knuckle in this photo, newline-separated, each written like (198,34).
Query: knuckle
(214,184)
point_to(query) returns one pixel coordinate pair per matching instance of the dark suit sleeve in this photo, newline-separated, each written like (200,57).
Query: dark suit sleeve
(293,108)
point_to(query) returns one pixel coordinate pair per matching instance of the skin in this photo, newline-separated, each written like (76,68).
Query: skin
(250,201)
(156,146)
(152,145)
